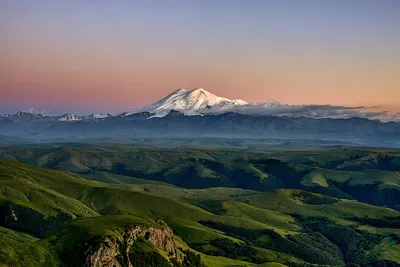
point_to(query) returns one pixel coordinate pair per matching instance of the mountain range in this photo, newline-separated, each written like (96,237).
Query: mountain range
(197,180)
(200,102)
(27,116)
(199,113)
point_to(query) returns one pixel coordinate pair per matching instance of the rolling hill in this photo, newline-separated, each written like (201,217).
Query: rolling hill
(364,174)
(50,215)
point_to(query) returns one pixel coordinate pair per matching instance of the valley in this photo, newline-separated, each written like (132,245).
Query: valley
(200,133)
(219,207)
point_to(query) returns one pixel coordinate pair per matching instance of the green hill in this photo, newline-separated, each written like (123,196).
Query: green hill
(52,215)
(364,174)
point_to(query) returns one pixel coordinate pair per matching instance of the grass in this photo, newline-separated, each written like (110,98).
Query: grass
(194,232)
(45,191)
(112,178)
(21,250)
(179,193)
(369,175)
(314,179)
(106,204)
(281,201)
(269,217)
(389,249)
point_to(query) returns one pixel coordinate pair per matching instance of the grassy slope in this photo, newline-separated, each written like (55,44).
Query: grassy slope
(389,249)
(46,191)
(366,174)
(101,199)
(283,201)
(21,250)
(80,197)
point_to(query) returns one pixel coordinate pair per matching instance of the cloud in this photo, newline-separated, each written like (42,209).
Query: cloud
(314,111)
(36,111)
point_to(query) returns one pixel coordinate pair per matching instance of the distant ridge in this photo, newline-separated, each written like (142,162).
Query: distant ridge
(194,102)
(200,102)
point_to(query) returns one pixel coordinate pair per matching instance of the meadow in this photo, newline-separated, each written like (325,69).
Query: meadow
(228,207)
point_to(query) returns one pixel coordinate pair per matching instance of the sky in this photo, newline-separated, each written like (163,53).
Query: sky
(114,56)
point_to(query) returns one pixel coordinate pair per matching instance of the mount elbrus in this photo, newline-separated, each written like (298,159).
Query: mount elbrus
(199,113)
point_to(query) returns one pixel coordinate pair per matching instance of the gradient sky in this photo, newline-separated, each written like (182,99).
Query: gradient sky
(90,56)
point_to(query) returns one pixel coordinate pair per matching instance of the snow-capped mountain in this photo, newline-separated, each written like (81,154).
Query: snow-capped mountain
(396,117)
(5,115)
(195,102)
(199,113)
(69,117)
(97,116)
(199,102)
(22,116)
(25,117)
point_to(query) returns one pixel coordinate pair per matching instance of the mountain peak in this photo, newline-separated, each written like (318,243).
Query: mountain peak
(21,113)
(201,95)
(98,116)
(197,91)
(68,117)
(194,102)
(27,114)
(179,91)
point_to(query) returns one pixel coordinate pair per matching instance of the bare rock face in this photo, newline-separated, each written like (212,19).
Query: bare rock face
(113,249)
(105,255)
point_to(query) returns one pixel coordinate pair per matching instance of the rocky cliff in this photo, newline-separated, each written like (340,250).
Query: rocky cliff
(114,251)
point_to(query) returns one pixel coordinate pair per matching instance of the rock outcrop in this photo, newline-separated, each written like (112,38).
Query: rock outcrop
(114,251)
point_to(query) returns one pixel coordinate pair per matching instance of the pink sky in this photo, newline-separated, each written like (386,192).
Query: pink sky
(30,82)
(118,58)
